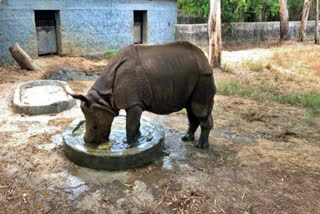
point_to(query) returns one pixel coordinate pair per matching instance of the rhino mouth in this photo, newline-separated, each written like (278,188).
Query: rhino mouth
(102,140)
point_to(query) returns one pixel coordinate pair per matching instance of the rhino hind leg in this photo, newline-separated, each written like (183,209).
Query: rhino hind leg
(133,124)
(206,126)
(193,125)
(201,107)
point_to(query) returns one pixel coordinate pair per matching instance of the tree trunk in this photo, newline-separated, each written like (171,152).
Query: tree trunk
(214,31)
(23,59)
(316,35)
(284,20)
(304,20)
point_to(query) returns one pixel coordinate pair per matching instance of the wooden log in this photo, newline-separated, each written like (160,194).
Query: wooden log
(23,59)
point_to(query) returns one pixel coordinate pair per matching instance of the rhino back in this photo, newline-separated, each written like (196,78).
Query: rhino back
(173,71)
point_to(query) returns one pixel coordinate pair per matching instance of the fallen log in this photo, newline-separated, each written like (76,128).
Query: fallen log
(23,59)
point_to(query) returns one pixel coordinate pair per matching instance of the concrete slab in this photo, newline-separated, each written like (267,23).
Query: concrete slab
(42,97)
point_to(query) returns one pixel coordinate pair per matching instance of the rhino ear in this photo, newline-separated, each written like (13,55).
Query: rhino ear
(80,97)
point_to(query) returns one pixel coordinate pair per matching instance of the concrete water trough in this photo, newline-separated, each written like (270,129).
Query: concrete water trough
(42,97)
(115,154)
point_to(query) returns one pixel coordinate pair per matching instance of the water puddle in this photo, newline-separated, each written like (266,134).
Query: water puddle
(75,186)
(225,132)
(91,176)
(66,75)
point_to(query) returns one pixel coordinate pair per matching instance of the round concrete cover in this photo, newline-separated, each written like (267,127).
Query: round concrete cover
(115,154)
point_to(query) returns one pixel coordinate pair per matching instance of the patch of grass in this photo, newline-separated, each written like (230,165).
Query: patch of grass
(226,68)
(276,78)
(183,111)
(309,118)
(310,100)
(227,157)
(255,66)
(232,88)
(110,53)
(238,122)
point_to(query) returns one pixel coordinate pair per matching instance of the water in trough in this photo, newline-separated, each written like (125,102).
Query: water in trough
(115,154)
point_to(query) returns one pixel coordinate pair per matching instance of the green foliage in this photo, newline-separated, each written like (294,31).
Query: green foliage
(110,53)
(295,9)
(197,7)
(234,10)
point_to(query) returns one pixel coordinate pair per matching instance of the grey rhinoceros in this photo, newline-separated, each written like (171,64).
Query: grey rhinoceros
(158,78)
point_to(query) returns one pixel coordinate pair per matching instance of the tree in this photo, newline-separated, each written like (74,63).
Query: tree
(304,20)
(316,34)
(214,31)
(284,20)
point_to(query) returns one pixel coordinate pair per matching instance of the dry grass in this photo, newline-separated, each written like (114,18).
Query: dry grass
(299,59)
(287,73)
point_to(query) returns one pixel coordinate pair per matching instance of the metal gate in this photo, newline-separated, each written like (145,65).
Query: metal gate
(46,31)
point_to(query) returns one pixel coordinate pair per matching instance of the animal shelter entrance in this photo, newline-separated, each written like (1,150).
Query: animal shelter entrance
(140,26)
(47,22)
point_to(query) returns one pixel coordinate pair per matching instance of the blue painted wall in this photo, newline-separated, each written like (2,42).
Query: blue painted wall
(87,26)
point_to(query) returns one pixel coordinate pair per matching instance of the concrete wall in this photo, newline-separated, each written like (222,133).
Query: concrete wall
(240,32)
(87,27)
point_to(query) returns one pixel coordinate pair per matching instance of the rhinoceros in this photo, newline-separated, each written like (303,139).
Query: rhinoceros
(161,79)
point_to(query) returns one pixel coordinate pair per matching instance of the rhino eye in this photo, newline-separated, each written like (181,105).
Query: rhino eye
(95,127)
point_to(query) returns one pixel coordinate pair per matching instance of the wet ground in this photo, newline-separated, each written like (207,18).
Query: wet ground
(263,158)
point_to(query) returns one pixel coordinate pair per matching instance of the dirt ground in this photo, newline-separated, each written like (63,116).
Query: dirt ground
(263,158)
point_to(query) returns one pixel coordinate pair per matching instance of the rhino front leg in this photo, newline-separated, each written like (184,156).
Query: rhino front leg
(133,123)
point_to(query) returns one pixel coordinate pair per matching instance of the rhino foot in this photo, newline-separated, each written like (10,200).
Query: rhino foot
(202,145)
(188,137)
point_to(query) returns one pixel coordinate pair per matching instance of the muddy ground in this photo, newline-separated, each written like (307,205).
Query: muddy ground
(263,158)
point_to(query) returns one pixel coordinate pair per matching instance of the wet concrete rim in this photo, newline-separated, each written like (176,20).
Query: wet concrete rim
(134,157)
(56,107)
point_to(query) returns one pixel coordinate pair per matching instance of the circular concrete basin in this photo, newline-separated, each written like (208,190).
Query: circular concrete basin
(42,97)
(115,154)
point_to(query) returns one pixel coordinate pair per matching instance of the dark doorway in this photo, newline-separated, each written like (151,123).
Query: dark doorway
(46,25)
(140,26)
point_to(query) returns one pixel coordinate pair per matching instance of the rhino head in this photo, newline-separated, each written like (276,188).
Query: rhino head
(99,116)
